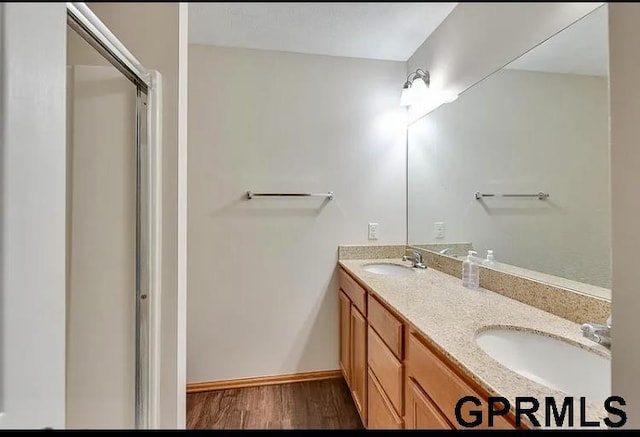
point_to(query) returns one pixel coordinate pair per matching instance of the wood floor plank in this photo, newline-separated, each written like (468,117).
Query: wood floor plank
(348,417)
(287,406)
(323,404)
(194,405)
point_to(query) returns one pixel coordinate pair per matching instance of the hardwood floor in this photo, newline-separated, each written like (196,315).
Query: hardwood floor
(323,404)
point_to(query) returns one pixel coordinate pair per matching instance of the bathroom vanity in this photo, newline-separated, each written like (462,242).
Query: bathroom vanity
(408,348)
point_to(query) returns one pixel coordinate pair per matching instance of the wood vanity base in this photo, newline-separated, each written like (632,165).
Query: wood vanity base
(397,377)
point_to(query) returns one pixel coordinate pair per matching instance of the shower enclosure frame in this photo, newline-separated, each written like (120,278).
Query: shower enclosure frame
(148,206)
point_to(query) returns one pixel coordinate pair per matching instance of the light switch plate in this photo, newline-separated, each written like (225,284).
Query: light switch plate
(373,231)
(438,230)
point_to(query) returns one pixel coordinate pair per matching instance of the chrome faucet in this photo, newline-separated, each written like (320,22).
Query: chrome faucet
(416,259)
(444,251)
(597,332)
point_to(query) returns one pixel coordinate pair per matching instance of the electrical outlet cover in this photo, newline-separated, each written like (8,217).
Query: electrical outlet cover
(373,231)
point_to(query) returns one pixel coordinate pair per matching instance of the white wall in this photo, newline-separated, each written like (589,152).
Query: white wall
(477,39)
(516,132)
(262,284)
(32,225)
(624,40)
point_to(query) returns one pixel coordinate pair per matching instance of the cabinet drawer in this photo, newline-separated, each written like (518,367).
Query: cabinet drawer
(442,385)
(380,411)
(356,293)
(388,327)
(421,413)
(387,369)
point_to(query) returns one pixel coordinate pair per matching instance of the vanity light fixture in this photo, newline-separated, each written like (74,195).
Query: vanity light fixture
(415,86)
(417,91)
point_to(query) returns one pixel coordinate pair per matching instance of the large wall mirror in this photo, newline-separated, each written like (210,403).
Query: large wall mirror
(539,125)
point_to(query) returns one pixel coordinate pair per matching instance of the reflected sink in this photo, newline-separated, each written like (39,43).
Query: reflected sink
(387,269)
(550,361)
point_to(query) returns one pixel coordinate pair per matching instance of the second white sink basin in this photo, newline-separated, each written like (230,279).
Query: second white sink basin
(388,269)
(549,361)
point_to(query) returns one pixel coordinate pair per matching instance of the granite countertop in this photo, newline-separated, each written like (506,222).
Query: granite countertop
(449,315)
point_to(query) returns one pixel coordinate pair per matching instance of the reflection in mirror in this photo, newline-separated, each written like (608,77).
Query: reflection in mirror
(541,124)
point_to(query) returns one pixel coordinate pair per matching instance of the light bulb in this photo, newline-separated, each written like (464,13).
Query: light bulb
(419,88)
(406,98)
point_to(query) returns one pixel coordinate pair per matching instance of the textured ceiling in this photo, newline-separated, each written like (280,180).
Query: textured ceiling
(582,48)
(391,31)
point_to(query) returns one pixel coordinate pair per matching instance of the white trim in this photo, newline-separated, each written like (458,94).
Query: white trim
(181,335)
(154,132)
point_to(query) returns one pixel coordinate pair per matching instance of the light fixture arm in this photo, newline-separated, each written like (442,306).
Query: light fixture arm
(418,74)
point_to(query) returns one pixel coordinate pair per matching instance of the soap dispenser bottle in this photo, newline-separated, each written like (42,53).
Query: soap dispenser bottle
(490,261)
(470,271)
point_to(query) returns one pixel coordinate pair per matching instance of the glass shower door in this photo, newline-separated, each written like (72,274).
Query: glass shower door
(108,256)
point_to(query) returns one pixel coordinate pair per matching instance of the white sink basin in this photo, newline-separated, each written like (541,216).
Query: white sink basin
(550,361)
(388,269)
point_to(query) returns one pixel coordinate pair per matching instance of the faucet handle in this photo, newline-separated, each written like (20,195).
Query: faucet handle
(595,330)
(418,260)
(601,334)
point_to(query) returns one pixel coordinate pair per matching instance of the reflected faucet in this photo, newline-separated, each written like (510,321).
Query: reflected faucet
(416,259)
(597,332)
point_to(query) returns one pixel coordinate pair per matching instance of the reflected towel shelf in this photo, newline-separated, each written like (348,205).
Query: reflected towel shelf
(540,195)
(251,195)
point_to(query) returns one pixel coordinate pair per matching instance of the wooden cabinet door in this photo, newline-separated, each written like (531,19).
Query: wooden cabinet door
(420,411)
(380,412)
(359,361)
(345,337)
